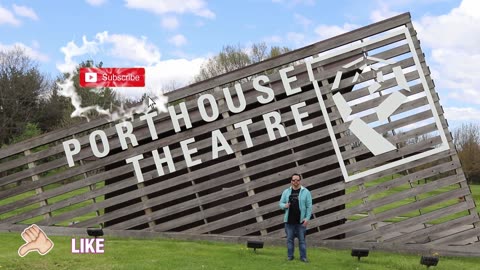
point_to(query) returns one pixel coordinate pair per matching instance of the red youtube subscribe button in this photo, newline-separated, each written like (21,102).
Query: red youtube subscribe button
(112,77)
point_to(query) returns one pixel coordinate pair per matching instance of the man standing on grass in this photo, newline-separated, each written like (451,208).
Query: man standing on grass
(297,203)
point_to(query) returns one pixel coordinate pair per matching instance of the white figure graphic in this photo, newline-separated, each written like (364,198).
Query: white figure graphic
(374,141)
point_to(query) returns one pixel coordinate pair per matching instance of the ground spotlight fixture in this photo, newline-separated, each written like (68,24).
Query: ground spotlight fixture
(95,232)
(429,261)
(360,252)
(254,245)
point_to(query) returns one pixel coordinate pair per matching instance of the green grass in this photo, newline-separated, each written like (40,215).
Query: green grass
(476,195)
(171,254)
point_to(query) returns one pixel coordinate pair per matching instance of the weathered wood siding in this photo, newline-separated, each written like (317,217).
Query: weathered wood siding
(238,194)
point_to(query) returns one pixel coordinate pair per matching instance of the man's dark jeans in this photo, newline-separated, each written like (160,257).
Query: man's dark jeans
(299,231)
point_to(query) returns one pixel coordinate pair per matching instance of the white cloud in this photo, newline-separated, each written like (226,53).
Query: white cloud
(170,22)
(161,75)
(197,7)
(96,2)
(33,53)
(272,39)
(454,40)
(25,11)
(181,71)
(178,40)
(137,50)
(7,17)
(35,44)
(462,114)
(327,31)
(382,13)
(456,30)
(298,39)
(296,2)
(304,21)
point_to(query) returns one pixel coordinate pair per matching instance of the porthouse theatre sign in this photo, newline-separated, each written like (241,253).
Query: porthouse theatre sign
(367,135)
(356,115)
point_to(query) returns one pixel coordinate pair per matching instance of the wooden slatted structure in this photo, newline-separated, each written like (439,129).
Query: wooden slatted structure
(423,201)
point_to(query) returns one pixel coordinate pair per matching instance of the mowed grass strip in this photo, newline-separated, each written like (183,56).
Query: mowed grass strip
(172,254)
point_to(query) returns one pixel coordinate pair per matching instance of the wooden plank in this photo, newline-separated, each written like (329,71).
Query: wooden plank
(49,137)
(404,151)
(430,230)
(456,238)
(399,138)
(347,82)
(408,208)
(411,221)
(426,217)
(401,168)
(243,167)
(393,125)
(381,230)
(37,190)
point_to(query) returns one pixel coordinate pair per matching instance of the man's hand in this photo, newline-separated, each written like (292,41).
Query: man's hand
(36,240)
(304,223)
(287,205)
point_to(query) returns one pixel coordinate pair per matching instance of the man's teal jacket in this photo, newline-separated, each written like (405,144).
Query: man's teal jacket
(304,201)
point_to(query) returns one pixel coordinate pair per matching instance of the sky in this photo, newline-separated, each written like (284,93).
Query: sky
(174,37)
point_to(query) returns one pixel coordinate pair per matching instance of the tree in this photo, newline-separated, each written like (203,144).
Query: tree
(22,87)
(53,108)
(235,57)
(467,141)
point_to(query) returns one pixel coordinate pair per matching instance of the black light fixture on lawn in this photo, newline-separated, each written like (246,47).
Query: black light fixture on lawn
(360,252)
(95,232)
(254,245)
(429,261)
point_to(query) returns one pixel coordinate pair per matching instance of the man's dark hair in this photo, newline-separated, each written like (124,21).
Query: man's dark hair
(296,174)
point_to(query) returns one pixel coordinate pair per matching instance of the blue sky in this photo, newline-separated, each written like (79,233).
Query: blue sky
(177,36)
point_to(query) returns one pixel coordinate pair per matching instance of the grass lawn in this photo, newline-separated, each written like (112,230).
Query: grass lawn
(170,254)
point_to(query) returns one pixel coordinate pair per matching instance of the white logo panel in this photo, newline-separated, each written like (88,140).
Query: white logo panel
(375,142)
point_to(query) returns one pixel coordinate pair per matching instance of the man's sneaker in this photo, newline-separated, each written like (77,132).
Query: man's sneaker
(304,260)
(290,259)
